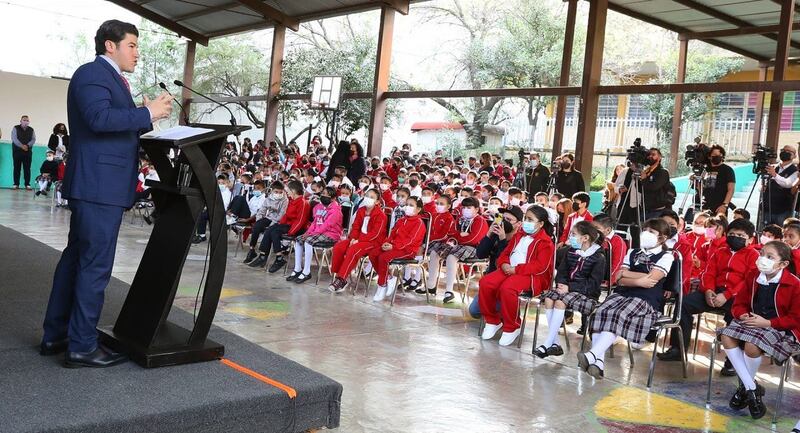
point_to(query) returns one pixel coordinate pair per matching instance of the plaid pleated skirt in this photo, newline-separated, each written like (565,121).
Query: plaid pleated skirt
(314,239)
(461,252)
(574,301)
(629,318)
(778,344)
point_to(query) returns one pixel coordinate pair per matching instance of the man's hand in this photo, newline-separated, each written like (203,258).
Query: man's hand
(723,209)
(25,147)
(161,107)
(507,269)
(771,171)
(719,300)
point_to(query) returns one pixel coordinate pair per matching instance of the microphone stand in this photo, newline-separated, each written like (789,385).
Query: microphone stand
(185,114)
(179,83)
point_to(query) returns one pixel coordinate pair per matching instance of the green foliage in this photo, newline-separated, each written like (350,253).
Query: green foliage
(598,181)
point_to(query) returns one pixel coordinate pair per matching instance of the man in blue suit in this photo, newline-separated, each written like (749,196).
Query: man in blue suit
(100,182)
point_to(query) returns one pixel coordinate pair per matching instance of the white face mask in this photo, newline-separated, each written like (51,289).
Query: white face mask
(535,163)
(648,240)
(369,202)
(50,158)
(409,210)
(441,208)
(514,201)
(764,239)
(426,199)
(698,229)
(384,187)
(493,208)
(363,185)
(765,265)
(468,213)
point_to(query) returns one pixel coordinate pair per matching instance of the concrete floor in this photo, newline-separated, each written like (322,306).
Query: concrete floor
(416,367)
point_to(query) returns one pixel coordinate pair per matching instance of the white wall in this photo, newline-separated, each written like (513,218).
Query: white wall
(43,99)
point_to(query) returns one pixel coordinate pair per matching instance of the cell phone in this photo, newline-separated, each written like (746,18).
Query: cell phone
(498,219)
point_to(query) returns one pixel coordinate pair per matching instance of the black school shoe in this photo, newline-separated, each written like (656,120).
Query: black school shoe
(727,369)
(757,407)
(739,399)
(251,255)
(279,263)
(672,354)
(541,352)
(302,278)
(258,262)
(293,276)
(555,350)
(448,297)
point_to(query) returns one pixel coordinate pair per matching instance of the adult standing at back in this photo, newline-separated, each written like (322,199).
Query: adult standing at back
(568,180)
(719,182)
(100,183)
(22,138)
(358,166)
(59,141)
(339,158)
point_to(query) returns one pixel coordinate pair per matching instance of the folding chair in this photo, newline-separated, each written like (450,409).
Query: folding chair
(322,250)
(474,265)
(413,262)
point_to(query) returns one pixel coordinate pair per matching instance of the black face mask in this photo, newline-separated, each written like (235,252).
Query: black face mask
(651,161)
(736,243)
(716,159)
(785,156)
(325,200)
(673,231)
(374,165)
(507,227)
(565,165)
(575,206)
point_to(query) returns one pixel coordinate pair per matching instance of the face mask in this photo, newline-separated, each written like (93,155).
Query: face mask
(648,240)
(565,165)
(507,227)
(384,187)
(736,243)
(409,210)
(785,156)
(363,185)
(222,187)
(25,123)
(673,231)
(514,201)
(711,233)
(325,200)
(493,208)
(698,230)
(468,213)
(276,195)
(401,179)
(440,208)
(437,178)
(765,265)
(344,198)
(764,239)
(50,158)
(374,166)
(535,163)
(575,206)
(716,160)
(256,193)
(325,162)
(369,202)
(529,227)
(335,184)
(574,243)
(427,199)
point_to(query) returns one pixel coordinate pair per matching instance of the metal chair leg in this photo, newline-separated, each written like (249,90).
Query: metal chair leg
(630,351)
(369,282)
(779,397)
(711,372)
(696,335)
(566,336)
(481,325)
(394,292)
(682,347)
(524,321)
(536,326)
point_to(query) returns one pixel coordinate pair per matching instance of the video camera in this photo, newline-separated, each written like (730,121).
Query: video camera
(638,154)
(761,157)
(696,156)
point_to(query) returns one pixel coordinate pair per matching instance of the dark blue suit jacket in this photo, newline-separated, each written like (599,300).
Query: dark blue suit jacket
(105,125)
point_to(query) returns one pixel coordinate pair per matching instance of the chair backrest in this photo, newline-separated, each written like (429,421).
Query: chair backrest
(674,284)
(388,212)
(347,218)
(428,224)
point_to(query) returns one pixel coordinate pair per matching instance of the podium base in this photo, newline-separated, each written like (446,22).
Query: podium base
(170,347)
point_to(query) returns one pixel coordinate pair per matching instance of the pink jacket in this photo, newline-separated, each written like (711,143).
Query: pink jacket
(326,221)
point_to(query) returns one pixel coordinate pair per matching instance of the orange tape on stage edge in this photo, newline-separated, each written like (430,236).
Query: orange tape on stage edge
(291,392)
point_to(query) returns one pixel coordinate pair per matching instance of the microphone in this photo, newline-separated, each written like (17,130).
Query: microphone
(179,83)
(185,114)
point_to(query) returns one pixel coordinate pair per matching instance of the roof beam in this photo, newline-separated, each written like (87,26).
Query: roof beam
(207,11)
(160,20)
(398,5)
(270,13)
(719,87)
(708,10)
(739,31)
(677,29)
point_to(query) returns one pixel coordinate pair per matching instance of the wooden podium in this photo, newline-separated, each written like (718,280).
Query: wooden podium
(187,185)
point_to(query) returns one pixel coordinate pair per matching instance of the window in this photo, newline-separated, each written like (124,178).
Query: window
(790,116)
(608,106)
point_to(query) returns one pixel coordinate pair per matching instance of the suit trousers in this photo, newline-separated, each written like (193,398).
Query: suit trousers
(82,275)
(22,160)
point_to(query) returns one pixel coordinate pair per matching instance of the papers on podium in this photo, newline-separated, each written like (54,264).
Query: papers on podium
(176,133)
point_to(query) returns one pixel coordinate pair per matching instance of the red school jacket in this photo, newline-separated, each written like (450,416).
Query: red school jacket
(587,216)
(376,227)
(388,198)
(476,231)
(408,234)
(696,242)
(297,216)
(618,251)
(787,302)
(708,250)
(539,265)
(729,269)
(684,247)
(442,225)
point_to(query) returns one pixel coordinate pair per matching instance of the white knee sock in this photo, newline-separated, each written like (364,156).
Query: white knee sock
(600,344)
(42,185)
(416,273)
(367,267)
(736,357)
(752,364)
(298,256)
(553,325)
(407,273)
(452,271)
(309,250)
(548,314)
(797,426)
(433,270)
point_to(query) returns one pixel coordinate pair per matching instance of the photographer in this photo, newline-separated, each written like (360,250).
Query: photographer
(568,180)
(658,191)
(718,183)
(779,197)
(537,175)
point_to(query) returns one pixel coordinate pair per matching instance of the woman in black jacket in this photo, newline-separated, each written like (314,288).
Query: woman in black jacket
(358,166)
(59,141)
(340,158)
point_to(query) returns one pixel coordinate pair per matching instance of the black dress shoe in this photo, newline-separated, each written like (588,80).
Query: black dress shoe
(727,370)
(757,407)
(53,347)
(448,297)
(293,276)
(673,354)
(555,350)
(99,358)
(277,265)
(739,399)
(198,239)
(302,278)
(251,255)
(258,262)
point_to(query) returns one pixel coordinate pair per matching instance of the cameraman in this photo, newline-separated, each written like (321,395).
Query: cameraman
(537,175)
(656,186)
(568,180)
(718,182)
(783,176)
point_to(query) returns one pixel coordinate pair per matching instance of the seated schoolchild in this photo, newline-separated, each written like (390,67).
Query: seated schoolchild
(325,227)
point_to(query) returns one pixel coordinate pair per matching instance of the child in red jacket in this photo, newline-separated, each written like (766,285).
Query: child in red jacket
(619,249)
(580,208)
(526,264)
(442,225)
(696,238)
(404,242)
(459,245)
(294,222)
(366,235)
(766,320)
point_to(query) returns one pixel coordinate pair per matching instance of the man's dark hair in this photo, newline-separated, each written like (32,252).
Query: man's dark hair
(717,147)
(743,225)
(581,197)
(775,230)
(114,31)
(744,213)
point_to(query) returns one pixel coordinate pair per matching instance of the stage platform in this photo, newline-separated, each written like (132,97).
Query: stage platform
(252,390)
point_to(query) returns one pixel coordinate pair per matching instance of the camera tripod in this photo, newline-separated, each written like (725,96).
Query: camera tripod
(764,203)
(697,196)
(634,226)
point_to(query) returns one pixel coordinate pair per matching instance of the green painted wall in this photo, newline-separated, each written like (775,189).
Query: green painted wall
(7,164)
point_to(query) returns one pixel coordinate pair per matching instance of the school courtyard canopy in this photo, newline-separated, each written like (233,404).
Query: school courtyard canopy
(762,30)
